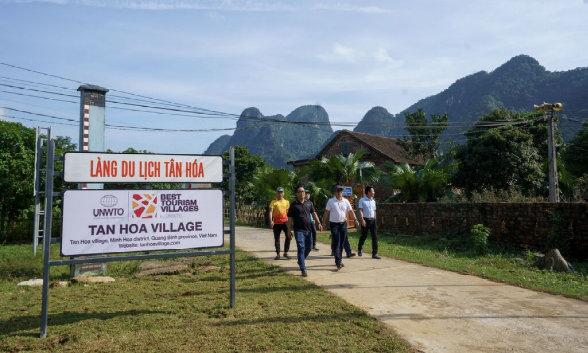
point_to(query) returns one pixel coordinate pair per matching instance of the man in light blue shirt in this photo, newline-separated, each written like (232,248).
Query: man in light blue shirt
(367,212)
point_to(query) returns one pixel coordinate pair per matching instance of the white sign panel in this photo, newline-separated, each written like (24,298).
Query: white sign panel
(127,168)
(113,221)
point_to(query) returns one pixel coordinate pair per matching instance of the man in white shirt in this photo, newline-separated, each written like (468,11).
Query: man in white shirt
(367,213)
(337,210)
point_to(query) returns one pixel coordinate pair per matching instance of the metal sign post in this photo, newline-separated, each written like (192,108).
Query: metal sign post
(232,223)
(99,258)
(49,170)
(37,229)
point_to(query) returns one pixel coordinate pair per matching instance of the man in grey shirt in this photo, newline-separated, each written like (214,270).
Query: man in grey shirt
(367,213)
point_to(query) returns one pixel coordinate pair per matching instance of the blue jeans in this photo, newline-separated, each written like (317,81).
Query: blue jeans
(313,234)
(339,240)
(303,245)
(346,245)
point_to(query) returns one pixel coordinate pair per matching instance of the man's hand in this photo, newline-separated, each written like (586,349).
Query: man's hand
(363,222)
(290,234)
(271,224)
(320,227)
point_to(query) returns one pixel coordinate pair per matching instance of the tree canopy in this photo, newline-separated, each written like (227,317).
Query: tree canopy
(504,157)
(247,166)
(424,133)
(575,154)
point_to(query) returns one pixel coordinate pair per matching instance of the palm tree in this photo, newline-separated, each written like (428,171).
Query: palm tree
(425,184)
(268,180)
(348,169)
(402,177)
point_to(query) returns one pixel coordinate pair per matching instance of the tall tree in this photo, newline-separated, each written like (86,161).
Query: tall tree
(504,151)
(575,154)
(17,155)
(247,166)
(424,133)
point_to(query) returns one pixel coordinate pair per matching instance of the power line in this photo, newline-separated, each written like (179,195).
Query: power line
(272,123)
(38,90)
(574,120)
(35,83)
(112,89)
(154,129)
(37,120)
(39,114)
(199,110)
(128,127)
(39,97)
(21,81)
(246,118)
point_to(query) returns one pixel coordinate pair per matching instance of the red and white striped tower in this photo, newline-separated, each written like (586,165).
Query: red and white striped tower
(92,122)
(85,128)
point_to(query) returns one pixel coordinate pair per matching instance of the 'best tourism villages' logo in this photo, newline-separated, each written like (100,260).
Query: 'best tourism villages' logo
(144,205)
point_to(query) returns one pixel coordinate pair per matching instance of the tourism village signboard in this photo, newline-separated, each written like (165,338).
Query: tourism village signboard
(113,221)
(137,224)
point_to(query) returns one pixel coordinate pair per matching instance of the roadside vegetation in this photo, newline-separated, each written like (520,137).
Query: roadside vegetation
(492,261)
(186,312)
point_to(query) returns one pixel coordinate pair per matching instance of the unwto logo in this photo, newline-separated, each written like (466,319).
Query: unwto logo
(144,205)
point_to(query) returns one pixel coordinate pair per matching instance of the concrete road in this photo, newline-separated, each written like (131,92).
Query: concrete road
(437,310)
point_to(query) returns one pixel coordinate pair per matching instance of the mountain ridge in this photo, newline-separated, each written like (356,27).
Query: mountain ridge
(517,84)
(278,142)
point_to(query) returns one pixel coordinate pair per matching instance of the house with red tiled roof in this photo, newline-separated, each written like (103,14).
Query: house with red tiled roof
(379,149)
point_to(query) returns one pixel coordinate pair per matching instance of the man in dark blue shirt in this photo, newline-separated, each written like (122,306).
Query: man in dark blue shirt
(299,215)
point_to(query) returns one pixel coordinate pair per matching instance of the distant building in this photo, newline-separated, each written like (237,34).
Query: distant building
(379,149)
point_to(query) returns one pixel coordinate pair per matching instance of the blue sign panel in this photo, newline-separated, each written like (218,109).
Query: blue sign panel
(347,191)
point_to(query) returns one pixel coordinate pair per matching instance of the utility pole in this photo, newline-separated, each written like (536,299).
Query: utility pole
(549,110)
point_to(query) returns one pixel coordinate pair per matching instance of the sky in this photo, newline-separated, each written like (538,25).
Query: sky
(227,55)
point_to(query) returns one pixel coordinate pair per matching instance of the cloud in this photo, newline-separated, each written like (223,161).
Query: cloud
(340,54)
(345,7)
(344,54)
(216,5)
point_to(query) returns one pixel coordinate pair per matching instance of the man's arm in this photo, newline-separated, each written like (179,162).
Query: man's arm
(362,217)
(352,214)
(271,217)
(290,227)
(325,216)
(317,220)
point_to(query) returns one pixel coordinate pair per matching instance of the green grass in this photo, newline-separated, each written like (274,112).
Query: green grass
(183,313)
(499,264)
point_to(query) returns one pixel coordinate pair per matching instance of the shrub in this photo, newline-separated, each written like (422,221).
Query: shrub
(479,234)
(491,196)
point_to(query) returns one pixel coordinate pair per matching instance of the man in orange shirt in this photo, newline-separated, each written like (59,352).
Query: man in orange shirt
(278,215)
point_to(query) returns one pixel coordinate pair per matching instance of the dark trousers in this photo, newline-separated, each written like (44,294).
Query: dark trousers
(339,238)
(370,225)
(313,234)
(278,228)
(346,245)
(303,241)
